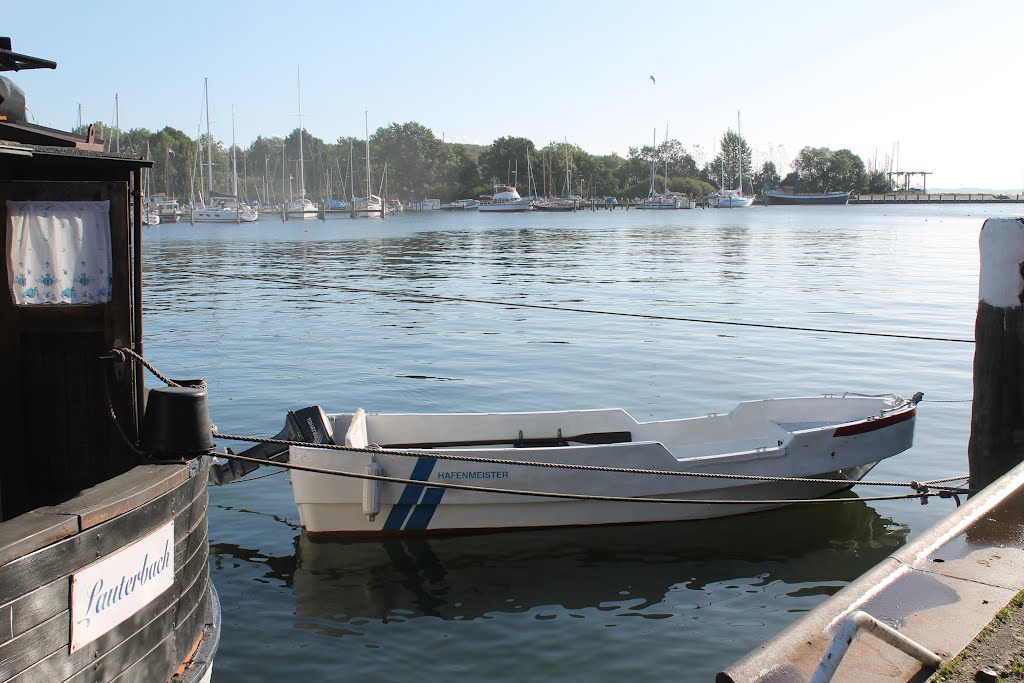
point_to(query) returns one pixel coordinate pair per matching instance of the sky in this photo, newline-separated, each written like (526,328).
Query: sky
(934,86)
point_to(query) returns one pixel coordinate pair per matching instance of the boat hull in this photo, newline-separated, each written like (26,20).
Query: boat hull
(222,216)
(836,198)
(428,516)
(508,207)
(833,448)
(730,202)
(303,215)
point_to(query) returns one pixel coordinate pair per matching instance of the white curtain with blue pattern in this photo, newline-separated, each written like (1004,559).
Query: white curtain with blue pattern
(59,252)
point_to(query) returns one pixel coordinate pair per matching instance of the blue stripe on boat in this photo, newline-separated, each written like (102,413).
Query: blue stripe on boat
(411,494)
(421,516)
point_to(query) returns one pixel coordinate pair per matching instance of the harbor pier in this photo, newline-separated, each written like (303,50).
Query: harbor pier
(937,198)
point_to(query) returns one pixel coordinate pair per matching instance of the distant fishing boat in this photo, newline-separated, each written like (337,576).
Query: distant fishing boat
(794,199)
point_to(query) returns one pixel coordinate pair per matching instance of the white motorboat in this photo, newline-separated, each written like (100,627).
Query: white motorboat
(441,458)
(506,198)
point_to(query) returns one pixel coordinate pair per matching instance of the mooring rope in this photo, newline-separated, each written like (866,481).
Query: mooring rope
(569,309)
(582,496)
(916,485)
(123,353)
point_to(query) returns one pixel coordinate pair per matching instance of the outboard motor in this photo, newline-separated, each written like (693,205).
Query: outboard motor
(308,425)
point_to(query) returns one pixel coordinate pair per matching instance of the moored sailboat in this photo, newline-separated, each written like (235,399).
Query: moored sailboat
(370,205)
(731,199)
(221,207)
(302,207)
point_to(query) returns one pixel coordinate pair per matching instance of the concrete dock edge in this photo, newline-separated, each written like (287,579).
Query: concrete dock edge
(940,590)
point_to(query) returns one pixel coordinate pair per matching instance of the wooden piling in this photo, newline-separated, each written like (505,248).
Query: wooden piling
(997,419)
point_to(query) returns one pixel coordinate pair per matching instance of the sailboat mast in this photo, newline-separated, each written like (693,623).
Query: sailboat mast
(234,161)
(351,178)
(117,123)
(739,151)
(302,176)
(654,158)
(666,158)
(209,144)
(366,126)
(568,173)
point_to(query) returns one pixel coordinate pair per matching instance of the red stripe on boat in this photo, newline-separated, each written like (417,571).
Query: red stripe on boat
(872,425)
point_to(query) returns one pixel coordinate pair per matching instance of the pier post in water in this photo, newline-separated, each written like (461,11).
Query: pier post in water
(997,419)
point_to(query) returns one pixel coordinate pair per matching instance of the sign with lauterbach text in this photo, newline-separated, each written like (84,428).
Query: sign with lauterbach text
(111,590)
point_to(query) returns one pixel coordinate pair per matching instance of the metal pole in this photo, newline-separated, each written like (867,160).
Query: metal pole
(847,631)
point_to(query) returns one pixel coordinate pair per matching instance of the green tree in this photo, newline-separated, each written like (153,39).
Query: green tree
(417,162)
(505,159)
(878,182)
(264,164)
(635,173)
(311,175)
(767,178)
(733,157)
(822,170)
(463,175)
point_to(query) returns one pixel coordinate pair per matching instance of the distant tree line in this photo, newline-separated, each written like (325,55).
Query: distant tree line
(407,160)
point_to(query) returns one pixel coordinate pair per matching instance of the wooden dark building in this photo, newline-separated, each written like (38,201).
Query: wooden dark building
(103,553)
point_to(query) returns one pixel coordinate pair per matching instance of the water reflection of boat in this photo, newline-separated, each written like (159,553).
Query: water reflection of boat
(469,577)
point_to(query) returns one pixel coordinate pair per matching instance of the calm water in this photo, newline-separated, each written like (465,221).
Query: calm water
(263,313)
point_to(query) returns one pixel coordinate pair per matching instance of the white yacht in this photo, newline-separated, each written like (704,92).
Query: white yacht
(303,208)
(226,209)
(506,198)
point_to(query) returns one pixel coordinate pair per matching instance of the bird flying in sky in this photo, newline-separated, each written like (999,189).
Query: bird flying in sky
(653,82)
